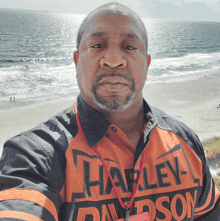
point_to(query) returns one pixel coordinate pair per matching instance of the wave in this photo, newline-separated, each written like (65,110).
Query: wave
(33,60)
(14,60)
(183,68)
(200,59)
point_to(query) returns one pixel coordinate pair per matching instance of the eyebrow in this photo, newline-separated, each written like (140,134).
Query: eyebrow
(129,35)
(98,34)
(125,35)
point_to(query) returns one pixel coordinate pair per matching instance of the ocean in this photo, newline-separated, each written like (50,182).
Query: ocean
(36,50)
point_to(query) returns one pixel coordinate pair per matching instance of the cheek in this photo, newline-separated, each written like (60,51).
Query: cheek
(139,67)
(88,63)
(140,74)
(81,68)
(84,74)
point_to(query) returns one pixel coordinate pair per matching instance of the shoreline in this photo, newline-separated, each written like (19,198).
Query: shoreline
(194,102)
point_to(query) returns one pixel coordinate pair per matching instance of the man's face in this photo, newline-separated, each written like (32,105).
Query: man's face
(112,62)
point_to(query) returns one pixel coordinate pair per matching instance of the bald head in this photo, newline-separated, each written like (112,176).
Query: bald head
(112,8)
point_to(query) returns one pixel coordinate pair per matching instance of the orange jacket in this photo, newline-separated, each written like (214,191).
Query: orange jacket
(52,173)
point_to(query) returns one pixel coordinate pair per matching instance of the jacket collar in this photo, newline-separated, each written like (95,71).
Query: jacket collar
(95,126)
(93,123)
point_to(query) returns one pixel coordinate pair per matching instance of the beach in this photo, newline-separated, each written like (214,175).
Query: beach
(193,102)
(16,117)
(37,68)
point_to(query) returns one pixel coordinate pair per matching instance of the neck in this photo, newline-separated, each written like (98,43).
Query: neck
(130,121)
(126,120)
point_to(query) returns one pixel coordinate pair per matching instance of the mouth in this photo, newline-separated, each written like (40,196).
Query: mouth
(113,86)
(112,82)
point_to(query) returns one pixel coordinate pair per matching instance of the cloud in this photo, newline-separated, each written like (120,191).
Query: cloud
(205,10)
(191,10)
(70,6)
(182,2)
(174,2)
(208,2)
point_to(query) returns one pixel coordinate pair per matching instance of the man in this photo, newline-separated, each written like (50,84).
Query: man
(111,155)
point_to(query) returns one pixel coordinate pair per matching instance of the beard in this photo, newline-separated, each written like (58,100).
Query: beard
(113,101)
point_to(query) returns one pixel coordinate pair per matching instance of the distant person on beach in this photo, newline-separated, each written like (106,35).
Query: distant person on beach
(111,155)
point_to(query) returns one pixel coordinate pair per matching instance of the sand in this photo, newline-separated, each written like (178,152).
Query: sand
(193,102)
(15,117)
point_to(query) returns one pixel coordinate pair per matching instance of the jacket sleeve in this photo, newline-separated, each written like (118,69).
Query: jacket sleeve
(208,200)
(208,208)
(208,205)
(32,172)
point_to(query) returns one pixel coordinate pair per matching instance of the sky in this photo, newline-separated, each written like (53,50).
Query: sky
(190,10)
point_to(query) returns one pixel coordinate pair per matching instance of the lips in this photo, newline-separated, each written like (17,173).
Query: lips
(116,80)
(113,83)
(113,87)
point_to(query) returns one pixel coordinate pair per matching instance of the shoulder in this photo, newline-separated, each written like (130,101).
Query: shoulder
(40,153)
(53,134)
(167,122)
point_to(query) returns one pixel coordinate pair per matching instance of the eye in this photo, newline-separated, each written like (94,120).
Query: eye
(129,47)
(98,46)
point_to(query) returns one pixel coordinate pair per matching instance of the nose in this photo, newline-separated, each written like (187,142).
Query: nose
(113,58)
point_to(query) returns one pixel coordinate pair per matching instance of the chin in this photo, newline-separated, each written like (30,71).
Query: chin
(115,104)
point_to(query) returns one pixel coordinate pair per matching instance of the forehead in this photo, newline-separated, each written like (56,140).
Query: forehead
(101,25)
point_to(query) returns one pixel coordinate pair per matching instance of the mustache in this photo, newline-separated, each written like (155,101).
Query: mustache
(100,77)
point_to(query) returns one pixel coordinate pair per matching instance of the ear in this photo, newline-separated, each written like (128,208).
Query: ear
(148,60)
(76,57)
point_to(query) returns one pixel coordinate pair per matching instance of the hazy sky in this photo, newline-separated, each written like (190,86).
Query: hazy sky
(196,10)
